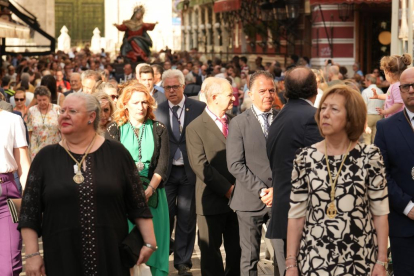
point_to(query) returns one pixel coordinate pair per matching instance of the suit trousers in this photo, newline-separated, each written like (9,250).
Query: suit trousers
(402,252)
(279,245)
(372,120)
(181,205)
(250,229)
(212,231)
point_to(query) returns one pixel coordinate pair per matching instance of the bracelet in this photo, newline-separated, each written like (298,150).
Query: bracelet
(31,255)
(153,190)
(291,266)
(150,246)
(291,258)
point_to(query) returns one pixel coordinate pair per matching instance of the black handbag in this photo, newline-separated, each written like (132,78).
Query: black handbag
(131,247)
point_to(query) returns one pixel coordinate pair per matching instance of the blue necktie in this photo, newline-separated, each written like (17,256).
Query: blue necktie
(266,124)
(176,130)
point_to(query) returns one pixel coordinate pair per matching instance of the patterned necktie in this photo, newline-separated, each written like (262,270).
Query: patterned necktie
(225,126)
(176,130)
(265,124)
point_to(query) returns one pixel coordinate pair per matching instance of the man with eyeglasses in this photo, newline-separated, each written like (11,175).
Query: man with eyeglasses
(176,113)
(75,84)
(395,138)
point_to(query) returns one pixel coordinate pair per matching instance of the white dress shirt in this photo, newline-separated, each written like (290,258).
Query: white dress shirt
(180,161)
(410,204)
(260,117)
(372,104)
(216,119)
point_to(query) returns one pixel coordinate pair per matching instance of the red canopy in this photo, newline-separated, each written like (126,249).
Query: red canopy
(330,2)
(227,5)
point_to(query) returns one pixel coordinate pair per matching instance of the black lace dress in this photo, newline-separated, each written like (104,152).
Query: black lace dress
(83,225)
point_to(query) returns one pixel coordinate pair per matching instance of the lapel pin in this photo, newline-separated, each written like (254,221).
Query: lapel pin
(187,109)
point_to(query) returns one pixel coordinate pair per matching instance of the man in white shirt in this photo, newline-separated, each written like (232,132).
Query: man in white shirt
(372,105)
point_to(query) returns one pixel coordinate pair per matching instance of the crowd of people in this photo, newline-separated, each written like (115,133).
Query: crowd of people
(323,160)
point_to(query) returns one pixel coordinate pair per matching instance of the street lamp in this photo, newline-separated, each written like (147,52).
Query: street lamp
(292,8)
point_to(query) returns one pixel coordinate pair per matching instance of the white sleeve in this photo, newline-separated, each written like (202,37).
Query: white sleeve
(19,133)
(407,209)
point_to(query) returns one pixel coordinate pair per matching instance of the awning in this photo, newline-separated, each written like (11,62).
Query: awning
(330,2)
(13,30)
(227,5)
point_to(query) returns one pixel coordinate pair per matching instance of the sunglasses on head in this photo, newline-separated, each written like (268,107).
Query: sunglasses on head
(19,99)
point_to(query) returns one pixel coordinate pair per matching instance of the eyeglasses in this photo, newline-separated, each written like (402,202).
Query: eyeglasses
(405,88)
(72,112)
(114,97)
(19,99)
(174,87)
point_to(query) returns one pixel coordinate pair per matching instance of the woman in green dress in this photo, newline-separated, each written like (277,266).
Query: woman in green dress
(147,141)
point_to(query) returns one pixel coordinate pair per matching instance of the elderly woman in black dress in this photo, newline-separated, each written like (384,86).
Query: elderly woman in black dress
(78,197)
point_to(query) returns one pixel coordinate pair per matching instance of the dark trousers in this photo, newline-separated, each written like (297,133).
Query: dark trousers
(250,225)
(402,252)
(212,231)
(181,204)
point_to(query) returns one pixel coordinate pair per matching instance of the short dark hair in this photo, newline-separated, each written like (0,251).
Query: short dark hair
(159,68)
(257,74)
(20,89)
(304,87)
(5,81)
(244,59)
(295,58)
(42,91)
(146,69)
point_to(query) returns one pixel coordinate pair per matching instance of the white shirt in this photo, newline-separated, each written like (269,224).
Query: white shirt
(260,117)
(180,161)
(372,104)
(410,204)
(13,135)
(318,98)
(306,100)
(216,119)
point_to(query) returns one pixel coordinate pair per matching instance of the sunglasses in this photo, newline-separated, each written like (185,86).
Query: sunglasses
(19,99)
(114,97)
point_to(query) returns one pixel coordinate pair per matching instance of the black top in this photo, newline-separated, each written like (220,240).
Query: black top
(161,155)
(83,225)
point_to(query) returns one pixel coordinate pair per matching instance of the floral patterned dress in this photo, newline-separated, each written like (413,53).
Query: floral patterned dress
(347,244)
(44,128)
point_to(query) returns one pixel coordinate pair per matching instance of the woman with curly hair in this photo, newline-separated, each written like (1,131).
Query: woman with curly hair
(147,141)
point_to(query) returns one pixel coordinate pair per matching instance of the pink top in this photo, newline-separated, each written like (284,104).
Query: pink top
(393,97)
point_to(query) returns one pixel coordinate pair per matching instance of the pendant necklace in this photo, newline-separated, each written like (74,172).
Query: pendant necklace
(332,211)
(44,117)
(78,177)
(409,122)
(139,164)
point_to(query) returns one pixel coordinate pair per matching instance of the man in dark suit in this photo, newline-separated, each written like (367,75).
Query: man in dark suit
(191,88)
(248,163)
(176,114)
(206,145)
(146,77)
(128,74)
(295,127)
(75,84)
(395,138)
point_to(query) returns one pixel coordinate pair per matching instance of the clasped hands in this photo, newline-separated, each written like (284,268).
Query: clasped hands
(267,198)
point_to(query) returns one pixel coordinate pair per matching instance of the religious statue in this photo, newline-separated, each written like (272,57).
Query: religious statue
(136,42)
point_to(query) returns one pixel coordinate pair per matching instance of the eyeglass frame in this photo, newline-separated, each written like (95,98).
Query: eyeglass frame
(61,113)
(408,86)
(168,88)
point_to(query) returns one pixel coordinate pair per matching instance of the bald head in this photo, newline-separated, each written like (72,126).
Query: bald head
(75,81)
(406,88)
(334,70)
(407,73)
(300,83)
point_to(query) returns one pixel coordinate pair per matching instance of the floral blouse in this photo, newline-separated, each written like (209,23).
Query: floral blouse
(44,128)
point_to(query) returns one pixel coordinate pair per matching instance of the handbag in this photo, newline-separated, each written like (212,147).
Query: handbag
(141,270)
(153,200)
(131,247)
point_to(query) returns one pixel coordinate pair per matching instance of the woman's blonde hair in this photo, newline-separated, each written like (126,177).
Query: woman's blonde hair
(395,64)
(102,96)
(356,110)
(121,115)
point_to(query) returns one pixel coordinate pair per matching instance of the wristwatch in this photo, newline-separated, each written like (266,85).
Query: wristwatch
(384,264)
(150,246)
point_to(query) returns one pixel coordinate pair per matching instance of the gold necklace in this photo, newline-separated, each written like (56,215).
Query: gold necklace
(44,117)
(78,177)
(332,211)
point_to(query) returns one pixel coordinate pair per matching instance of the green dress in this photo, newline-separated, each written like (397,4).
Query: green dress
(158,261)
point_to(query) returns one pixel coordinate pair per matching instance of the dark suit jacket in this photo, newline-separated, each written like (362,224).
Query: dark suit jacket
(192,110)
(159,96)
(206,147)
(247,161)
(192,89)
(295,127)
(198,79)
(395,138)
(160,157)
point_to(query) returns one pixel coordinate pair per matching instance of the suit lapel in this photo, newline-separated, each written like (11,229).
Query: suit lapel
(212,127)
(255,125)
(187,117)
(406,130)
(168,122)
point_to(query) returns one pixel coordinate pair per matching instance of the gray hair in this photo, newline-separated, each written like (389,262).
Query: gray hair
(371,78)
(334,70)
(189,78)
(25,77)
(104,86)
(214,86)
(42,91)
(102,96)
(88,74)
(91,104)
(75,74)
(174,73)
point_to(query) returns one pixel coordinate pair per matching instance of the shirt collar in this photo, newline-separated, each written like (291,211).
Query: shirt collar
(306,100)
(258,112)
(410,114)
(214,116)
(181,104)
